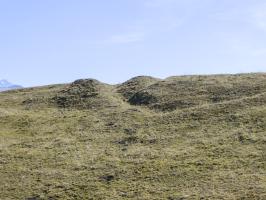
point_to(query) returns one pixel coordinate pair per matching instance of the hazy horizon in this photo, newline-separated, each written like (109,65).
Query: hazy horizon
(114,83)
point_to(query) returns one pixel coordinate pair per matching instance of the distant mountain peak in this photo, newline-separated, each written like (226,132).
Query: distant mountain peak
(6,85)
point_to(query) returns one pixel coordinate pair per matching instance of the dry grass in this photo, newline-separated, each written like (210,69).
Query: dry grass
(200,137)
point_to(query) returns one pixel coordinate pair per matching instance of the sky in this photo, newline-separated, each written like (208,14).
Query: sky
(58,41)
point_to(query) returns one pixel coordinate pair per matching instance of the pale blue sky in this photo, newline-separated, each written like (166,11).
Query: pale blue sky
(56,41)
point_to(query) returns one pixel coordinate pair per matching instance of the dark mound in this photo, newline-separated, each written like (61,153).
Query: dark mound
(132,86)
(83,93)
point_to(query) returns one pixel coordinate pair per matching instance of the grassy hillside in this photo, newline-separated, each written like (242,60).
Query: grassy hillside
(189,137)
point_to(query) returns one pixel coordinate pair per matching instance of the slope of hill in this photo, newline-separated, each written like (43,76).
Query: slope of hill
(189,137)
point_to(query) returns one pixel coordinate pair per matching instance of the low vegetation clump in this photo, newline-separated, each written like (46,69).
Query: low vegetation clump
(188,137)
